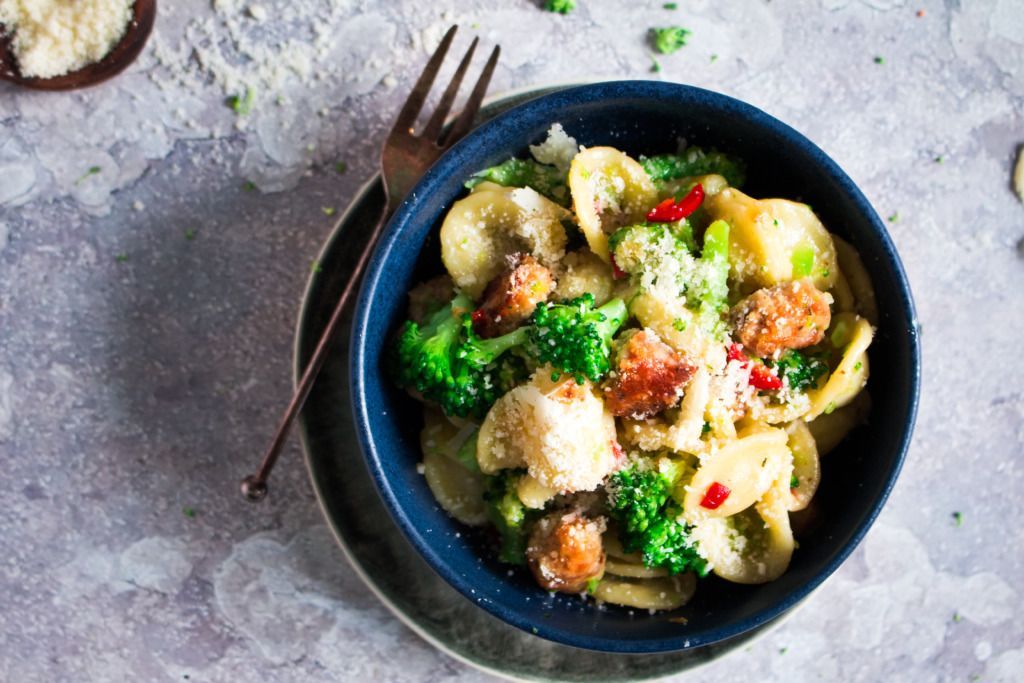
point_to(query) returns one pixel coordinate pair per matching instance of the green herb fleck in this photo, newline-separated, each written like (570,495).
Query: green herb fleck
(958,518)
(705,428)
(857,366)
(242,104)
(592,585)
(315,266)
(93,170)
(714,58)
(669,39)
(534,629)
(830,408)
(249,186)
(190,234)
(188,511)
(341,167)
(825,272)
(783,650)
(895,217)
(655,66)
(121,258)
(879,60)
(671,5)
(560,6)
(794,482)
(328,210)
(679,325)
(938,159)
(957,618)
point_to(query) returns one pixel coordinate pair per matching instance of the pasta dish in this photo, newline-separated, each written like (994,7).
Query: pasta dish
(630,368)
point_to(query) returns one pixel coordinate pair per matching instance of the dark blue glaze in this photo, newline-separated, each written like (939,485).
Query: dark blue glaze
(639,117)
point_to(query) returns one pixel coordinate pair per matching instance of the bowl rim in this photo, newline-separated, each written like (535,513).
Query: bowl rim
(476,140)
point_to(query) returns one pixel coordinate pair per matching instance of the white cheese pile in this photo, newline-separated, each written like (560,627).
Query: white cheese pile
(55,37)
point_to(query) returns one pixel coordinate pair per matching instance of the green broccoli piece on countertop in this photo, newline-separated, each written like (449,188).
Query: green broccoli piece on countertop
(508,514)
(448,363)
(694,161)
(639,499)
(560,6)
(669,39)
(547,180)
(576,338)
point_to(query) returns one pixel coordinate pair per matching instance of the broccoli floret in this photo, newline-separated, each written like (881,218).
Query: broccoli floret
(547,180)
(640,501)
(574,337)
(448,363)
(636,245)
(560,6)
(800,370)
(669,39)
(508,514)
(694,161)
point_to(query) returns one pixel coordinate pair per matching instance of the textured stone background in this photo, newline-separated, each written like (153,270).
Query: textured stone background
(146,316)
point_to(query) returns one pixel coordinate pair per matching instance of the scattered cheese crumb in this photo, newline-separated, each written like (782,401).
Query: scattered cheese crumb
(138,206)
(55,37)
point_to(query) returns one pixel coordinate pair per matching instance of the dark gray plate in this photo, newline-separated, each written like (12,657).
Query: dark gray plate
(375,546)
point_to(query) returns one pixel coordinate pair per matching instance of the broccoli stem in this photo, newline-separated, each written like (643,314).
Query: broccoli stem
(614,313)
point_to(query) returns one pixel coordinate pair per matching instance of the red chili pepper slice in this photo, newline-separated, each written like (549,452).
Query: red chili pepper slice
(670,211)
(761,377)
(478,317)
(715,496)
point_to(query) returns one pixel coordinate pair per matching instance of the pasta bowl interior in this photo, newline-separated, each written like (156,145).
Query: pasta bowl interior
(680,367)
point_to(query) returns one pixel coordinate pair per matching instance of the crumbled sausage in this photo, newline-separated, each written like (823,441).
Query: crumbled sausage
(649,377)
(511,296)
(791,315)
(565,551)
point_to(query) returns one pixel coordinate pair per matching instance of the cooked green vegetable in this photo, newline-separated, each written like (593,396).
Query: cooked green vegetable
(574,337)
(448,363)
(640,501)
(710,293)
(694,161)
(547,180)
(800,370)
(508,514)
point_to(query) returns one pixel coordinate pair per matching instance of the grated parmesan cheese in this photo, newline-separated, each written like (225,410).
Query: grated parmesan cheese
(55,37)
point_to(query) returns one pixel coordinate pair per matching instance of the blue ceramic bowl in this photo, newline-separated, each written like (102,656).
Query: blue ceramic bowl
(639,117)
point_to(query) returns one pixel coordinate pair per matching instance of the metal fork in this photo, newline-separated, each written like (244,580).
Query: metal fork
(405,157)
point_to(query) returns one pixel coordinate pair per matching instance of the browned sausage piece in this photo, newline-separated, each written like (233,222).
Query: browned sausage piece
(791,315)
(649,377)
(511,296)
(565,551)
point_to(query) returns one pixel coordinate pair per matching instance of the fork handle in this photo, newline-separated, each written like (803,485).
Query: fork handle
(254,486)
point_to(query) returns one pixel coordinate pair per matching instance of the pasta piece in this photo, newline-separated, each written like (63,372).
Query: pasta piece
(532,493)
(559,430)
(856,275)
(842,295)
(683,434)
(664,593)
(609,190)
(774,240)
(852,373)
(712,183)
(584,272)
(806,465)
(746,466)
(677,325)
(632,570)
(451,437)
(459,491)
(753,546)
(487,226)
(831,428)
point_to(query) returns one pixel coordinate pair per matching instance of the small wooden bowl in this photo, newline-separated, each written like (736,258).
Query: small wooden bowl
(123,54)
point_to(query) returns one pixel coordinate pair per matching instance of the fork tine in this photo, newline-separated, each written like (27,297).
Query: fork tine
(433,129)
(411,109)
(465,120)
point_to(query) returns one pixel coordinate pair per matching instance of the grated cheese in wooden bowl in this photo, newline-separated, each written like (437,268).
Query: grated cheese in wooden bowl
(55,37)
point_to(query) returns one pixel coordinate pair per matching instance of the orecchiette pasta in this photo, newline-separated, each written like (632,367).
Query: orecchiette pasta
(651,406)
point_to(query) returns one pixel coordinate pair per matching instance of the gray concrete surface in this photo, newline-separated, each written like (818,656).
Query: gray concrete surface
(146,315)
